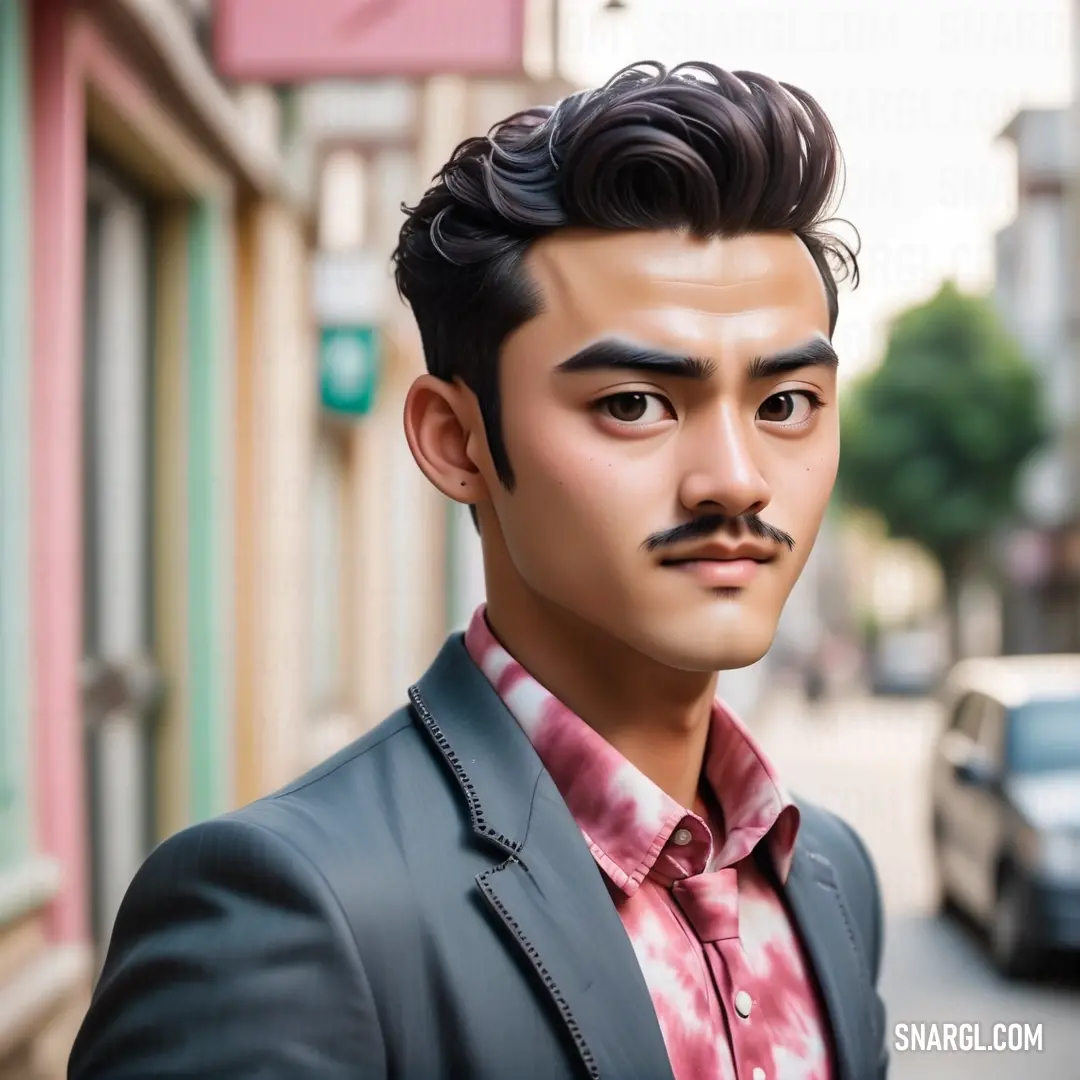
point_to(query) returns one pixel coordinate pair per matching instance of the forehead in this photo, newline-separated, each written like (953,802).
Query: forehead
(744,295)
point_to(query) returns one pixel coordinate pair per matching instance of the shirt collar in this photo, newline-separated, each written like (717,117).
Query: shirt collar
(633,827)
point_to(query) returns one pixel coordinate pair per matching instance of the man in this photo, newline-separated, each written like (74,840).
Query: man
(564,858)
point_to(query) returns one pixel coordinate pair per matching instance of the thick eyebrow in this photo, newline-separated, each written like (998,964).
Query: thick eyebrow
(815,353)
(610,355)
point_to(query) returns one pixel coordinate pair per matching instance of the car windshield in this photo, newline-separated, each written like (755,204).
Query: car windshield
(1044,736)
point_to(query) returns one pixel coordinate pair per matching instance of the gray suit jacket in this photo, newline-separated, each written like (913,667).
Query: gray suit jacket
(422,906)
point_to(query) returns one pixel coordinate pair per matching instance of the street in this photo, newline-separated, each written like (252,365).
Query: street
(866,759)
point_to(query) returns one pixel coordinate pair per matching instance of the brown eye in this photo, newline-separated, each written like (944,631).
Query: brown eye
(627,408)
(636,408)
(778,408)
(791,408)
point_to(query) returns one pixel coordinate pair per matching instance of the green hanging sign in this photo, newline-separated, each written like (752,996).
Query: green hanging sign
(348,369)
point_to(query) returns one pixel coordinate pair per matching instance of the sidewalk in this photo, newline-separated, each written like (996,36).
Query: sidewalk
(867,759)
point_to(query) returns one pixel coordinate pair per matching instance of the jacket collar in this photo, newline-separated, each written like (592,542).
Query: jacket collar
(491,757)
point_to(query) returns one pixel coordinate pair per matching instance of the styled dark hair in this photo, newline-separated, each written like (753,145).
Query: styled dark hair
(694,148)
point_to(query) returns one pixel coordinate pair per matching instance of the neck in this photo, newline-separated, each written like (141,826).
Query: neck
(656,717)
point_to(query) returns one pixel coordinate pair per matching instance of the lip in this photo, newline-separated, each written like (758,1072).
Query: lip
(719,573)
(714,550)
(719,566)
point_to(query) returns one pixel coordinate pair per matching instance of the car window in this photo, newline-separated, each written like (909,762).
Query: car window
(1044,736)
(966,716)
(991,737)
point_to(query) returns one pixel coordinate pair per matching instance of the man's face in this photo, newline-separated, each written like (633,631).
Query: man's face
(669,382)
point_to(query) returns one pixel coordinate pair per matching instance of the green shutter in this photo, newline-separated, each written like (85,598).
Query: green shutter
(15,432)
(209,478)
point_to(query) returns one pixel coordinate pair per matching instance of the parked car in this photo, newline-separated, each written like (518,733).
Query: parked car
(1006,803)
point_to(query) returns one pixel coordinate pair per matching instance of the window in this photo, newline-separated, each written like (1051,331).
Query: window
(342,201)
(1044,736)
(991,739)
(967,715)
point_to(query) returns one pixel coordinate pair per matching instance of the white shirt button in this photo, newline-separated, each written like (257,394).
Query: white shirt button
(682,837)
(743,1003)
(759,1073)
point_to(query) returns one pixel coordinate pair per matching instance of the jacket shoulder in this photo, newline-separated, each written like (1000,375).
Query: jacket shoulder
(394,735)
(348,799)
(385,803)
(230,927)
(284,831)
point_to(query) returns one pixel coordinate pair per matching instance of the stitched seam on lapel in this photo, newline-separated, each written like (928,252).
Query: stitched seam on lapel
(868,981)
(847,926)
(538,965)
(864,976)
(476,810)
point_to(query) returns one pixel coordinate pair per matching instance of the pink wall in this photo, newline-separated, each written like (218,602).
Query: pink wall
(59,172)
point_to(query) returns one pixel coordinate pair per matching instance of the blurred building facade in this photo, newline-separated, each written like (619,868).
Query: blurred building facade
(161,331)
(218,561)
(1034,260)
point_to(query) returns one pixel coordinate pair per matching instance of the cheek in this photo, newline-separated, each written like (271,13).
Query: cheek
(579,500)
(592,490)
(565,456)
(804,496)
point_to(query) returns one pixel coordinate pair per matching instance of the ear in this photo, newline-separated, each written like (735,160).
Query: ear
(439,426)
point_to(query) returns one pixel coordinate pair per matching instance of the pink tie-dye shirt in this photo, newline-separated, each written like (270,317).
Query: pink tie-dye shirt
(723,964)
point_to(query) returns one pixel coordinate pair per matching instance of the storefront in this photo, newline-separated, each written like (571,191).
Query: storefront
(147,238)
(125,202)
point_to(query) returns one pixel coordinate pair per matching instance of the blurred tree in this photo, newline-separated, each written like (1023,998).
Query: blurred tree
(933,439)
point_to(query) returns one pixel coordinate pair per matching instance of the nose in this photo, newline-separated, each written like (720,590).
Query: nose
(721,474)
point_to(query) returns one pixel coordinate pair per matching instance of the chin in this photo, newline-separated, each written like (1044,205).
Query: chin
(723,659)
(710,652)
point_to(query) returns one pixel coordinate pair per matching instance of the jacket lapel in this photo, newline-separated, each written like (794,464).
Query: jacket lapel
(826,928)
(556,906)
(546,889)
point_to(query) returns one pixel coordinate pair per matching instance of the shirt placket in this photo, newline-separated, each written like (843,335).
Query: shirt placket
(746,1014)
(710,903)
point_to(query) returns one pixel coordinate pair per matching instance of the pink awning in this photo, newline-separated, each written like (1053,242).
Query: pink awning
(302,40)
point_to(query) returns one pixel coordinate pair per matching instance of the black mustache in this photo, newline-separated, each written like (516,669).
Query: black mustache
(702,527)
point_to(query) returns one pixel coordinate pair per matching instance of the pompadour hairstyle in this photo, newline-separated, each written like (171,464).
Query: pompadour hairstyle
(694,148)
